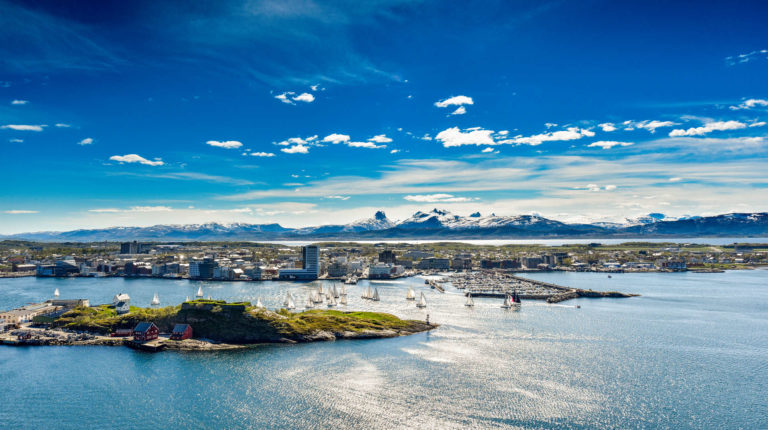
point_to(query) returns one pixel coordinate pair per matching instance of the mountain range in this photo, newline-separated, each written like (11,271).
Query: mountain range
(435,224)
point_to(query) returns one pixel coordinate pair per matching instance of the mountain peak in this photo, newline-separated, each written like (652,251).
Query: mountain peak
(380,215)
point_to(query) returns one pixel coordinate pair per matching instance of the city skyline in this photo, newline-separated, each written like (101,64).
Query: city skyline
(260,112)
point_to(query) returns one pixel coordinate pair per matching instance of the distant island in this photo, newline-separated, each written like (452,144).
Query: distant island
(435,224)
(216,324)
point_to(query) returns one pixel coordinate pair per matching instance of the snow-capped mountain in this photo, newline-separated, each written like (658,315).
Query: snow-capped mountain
(435,224)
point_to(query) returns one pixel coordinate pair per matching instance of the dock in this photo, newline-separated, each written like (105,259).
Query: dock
(154,345)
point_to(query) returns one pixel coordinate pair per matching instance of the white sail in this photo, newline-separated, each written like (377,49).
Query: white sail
(259,304)
(199,292)
(156,300)
(187,299)
(344,300)
(411,295)
(375,297)
(334,292)
(56,293)
(291,304)
(343,290)
(288,299)
(506,302)
(470,301)
(310,302)
(332,302)
(422,301)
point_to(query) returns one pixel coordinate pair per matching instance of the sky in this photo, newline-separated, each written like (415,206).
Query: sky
(309,112)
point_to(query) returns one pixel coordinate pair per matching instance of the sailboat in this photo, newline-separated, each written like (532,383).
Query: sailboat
(155,300)
(411,295)
(56,293)
(470,301)
(516,303)
(343,290)
(422,302)
(334,292)
(199,294)
(332,302)
(375,297)
(344,300)
(289,302)
(507,301)
(259,304)
(187,299)
(367,294)
(310,303)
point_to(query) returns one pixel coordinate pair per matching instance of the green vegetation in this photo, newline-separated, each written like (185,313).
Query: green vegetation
(239,322)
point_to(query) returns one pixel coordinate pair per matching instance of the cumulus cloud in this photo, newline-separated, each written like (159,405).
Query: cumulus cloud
(19,212)
(455,101)
(369,145)
(262,154)
(304,97)
(608,144)
(708,128)
(471,136)
(336,138)
(380,138)
(23,127)
(607,126)
(488,149)
(437,198)
(394,151)
(284,97)
(653,125)
(571,133)
(227,144)
(749,104)
(19,102)
(461,110)
(296,149)
(86,141)
(135,158)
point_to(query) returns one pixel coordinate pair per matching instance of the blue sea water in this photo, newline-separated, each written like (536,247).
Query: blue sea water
(691,352)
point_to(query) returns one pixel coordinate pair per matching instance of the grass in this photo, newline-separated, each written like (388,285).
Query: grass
(308,322)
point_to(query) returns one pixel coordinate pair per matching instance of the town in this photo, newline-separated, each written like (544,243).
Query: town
(245,261)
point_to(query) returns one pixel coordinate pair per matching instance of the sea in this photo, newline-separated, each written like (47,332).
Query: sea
(690,352)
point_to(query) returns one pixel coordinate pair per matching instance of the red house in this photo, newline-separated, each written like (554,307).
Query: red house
(181,332)
(145,331)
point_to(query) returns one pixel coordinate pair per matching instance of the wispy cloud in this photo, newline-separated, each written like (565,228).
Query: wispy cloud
(608,144)
(19,102)
(19,212)
(437,198)
(135,158)
(455,101)
(23,127)
(708,128)
(750,104)
(262,154)
(745,58)
(86,141)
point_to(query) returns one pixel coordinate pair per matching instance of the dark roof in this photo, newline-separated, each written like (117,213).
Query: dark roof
(119,304)
(143,326)
(180,328)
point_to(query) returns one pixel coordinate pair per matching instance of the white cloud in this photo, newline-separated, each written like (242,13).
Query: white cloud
(461,110)
(134,209)
(471,136)
(437,198)
(749,104)
(62,125)
(488,149)
(86,141)
(607,126)
(757,124)
(314,87)
(338,197)
(134,158)
(394,151)
(336,138)
(370,145)
(284,97)
(426,137)
(652,125)
(304,97)
(608,144)
(262,154)
(708,128)
(227,144)
(23,127)
(745,58)
(610,187)
(296,149)
(675,179)
(455,101)
(571,133)
(19,212)
(16,140)
(380,138)
(19,102)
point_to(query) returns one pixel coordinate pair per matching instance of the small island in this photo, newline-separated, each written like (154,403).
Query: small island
(216,324)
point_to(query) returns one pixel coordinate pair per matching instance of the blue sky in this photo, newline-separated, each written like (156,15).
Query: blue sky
(308,112)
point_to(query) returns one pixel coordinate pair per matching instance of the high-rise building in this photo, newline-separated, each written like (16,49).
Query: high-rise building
(387,256)
(310,265)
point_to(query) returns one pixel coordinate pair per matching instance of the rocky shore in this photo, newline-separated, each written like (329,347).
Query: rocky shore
(576,293)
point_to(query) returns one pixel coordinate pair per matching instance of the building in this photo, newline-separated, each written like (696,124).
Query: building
(387,256)
(674,265)
(145,331)
(122,303)
(532,262)
(434,264)
(337,269)
(202,269)
(461,264)
(310,265)
(135,248)
(385,270)
(27,313)
(181,332)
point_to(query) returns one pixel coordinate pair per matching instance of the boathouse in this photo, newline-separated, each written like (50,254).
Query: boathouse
(145,331)
(181,332)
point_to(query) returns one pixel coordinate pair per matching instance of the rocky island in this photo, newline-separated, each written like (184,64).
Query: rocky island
(217,325)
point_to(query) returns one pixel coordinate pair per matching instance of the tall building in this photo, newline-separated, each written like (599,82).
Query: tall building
(387,256)
(135,248)
(202,269)
(310,265)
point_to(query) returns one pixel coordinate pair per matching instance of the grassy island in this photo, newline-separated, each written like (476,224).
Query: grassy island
(242,323)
